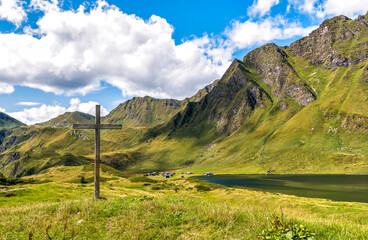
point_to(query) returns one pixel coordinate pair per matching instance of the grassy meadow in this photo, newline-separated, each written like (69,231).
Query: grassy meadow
(59,206)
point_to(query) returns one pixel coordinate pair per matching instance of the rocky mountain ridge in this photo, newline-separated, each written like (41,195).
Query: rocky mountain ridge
(338,42)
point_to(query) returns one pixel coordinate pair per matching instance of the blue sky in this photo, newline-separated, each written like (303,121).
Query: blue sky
(64,55)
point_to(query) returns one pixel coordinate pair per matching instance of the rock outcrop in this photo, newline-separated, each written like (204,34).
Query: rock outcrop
(272,65)
(337,42)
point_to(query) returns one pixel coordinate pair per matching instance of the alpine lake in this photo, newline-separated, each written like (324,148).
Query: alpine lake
(349,188)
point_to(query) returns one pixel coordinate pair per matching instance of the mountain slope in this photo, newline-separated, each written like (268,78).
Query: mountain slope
(231,101)
(68,119)
(149,111)
(8,122)
(144,112)
(203,92)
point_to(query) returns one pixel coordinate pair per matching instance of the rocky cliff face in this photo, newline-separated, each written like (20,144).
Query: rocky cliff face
(338,42)
(272,65)
(234,99)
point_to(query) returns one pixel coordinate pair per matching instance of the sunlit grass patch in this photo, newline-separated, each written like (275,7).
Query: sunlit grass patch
(175,210)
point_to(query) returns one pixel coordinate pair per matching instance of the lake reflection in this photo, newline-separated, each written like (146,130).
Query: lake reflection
(351,188)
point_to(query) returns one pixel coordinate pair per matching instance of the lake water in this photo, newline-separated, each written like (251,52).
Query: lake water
(351,188)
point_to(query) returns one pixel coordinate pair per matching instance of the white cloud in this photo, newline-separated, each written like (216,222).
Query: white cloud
(288,8)
(308,6)
(328,8)
(28,103)
(2,110)
(246,34)
(89,107)
(75,50)
(261,7)
(38,114)
(12,11)
(45,5)
(351,9)
(47,112)
(305,6)
(6,88)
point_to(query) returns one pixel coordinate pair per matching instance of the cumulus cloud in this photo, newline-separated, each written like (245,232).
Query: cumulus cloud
(341,7)
(88,107)
(37,114)
(304,6)
(72,51)
(12,11)
(327,8)
(28,103)
(45,5)
(6,88)
(249,33)
(2,109)
(46,112)
(261,7)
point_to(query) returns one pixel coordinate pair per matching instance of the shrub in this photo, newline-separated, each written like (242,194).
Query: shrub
(83,180)
(2,179)
(202,188)
(143,198)
(284,231)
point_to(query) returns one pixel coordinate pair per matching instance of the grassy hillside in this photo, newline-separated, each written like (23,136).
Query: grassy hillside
(203,92)
(68,119)
(8,122)
(150,112)
(144,112)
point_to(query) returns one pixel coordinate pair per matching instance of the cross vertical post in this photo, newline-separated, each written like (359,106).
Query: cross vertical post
(97,154)
(97,127)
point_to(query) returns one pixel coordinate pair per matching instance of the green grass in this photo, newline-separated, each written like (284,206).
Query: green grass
(167,209)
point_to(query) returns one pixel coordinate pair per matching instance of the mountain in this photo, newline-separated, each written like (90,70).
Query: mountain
(203,92)
(297,109)
(68,119)
(338,42)
(301,108)
(144,112)
(149,112)
(8,122)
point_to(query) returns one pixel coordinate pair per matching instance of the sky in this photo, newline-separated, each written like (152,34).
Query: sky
(64,55)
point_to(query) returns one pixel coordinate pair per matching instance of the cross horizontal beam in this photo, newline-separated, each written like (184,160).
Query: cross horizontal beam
(97,126)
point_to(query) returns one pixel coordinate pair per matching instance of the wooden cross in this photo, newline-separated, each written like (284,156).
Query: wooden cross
(97,127)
